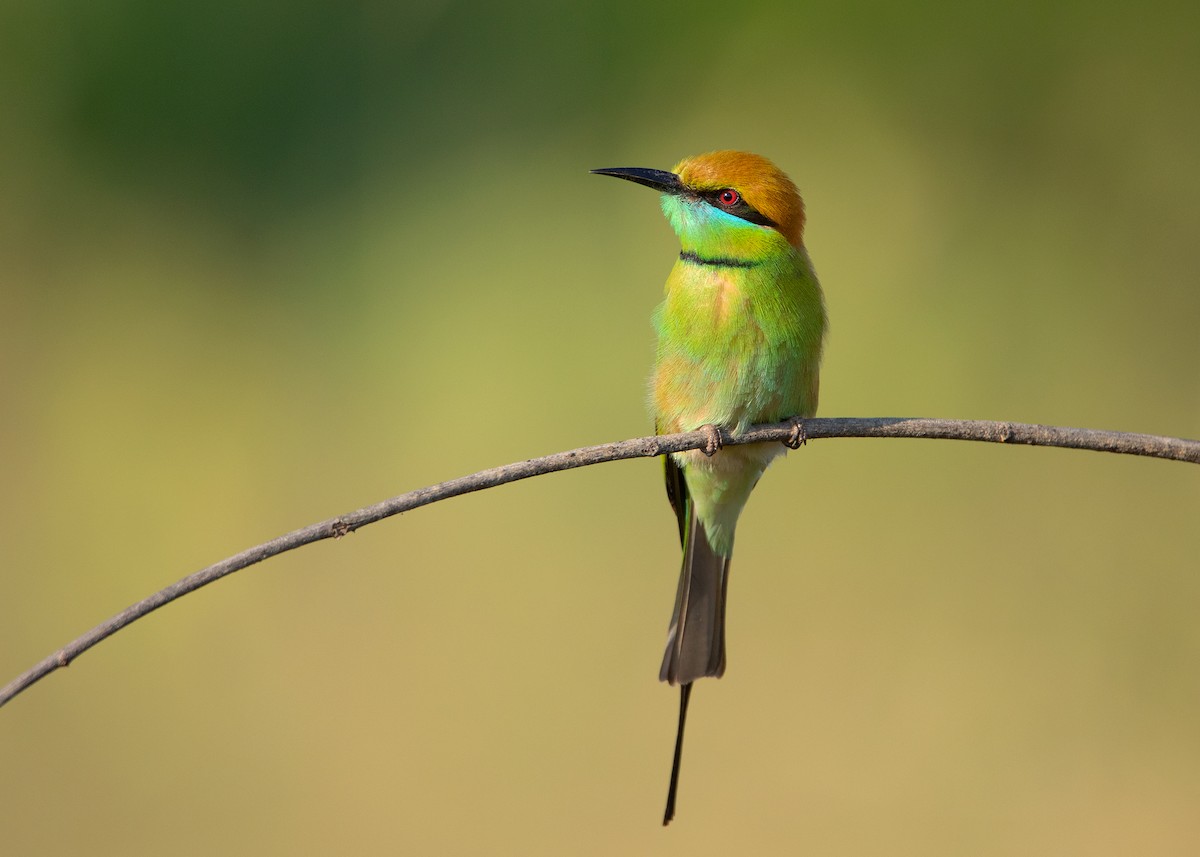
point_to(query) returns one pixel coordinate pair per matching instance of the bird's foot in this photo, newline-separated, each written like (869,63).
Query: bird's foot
(712,439)
(799,436)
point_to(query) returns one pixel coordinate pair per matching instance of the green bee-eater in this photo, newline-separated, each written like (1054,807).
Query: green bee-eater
(739,342)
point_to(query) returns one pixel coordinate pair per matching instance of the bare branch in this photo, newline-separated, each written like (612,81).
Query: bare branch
(1178,449)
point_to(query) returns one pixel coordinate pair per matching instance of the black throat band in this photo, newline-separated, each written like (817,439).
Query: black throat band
(717,261)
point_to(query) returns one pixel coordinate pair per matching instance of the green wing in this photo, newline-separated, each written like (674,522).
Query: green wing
(677,493)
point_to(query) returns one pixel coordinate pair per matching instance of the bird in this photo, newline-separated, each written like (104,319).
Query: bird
(740,336)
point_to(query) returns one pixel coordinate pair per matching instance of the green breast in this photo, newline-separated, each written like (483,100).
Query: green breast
(738,343)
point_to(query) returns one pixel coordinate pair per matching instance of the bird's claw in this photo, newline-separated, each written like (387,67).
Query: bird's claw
(712,440)
(798,436)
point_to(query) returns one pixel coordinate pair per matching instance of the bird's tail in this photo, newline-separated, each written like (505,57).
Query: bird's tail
(696,639)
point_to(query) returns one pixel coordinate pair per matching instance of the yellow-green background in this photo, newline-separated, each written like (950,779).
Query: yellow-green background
(264,263)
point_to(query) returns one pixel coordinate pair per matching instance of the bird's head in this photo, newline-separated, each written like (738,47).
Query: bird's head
(726,203)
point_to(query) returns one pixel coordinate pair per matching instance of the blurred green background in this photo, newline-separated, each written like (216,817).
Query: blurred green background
(260,265)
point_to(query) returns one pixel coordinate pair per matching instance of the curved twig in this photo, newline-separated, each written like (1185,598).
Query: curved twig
(1178,449)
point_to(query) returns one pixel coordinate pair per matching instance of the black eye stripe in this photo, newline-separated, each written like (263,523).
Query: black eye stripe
(741,208)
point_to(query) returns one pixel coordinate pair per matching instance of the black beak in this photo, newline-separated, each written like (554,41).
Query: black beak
(660,180)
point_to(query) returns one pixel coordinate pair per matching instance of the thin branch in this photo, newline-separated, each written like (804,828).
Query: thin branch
(1178,449)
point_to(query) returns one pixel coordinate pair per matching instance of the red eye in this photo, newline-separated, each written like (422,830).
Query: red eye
(728,197)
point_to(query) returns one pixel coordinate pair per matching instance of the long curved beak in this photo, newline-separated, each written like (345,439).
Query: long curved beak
(659,180)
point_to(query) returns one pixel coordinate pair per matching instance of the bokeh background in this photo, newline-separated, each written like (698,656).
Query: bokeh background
(264,263)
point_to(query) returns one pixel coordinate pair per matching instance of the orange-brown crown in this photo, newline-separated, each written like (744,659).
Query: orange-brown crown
(764,186)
